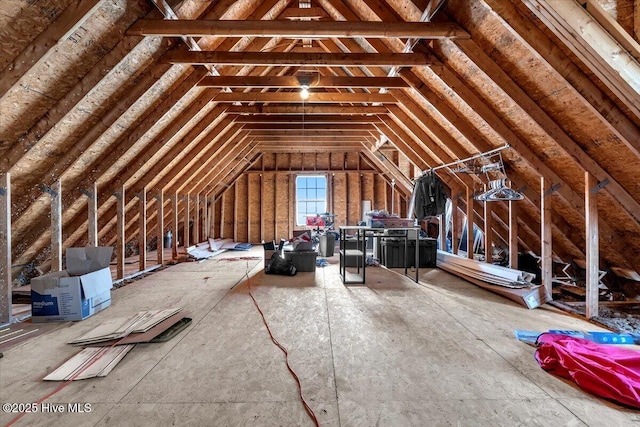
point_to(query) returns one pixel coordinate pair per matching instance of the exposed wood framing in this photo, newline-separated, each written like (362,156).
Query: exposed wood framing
(120,243)
(513,234)
(142,229)
(470,235)
(174,207)
(314,97)
(592,249)
(92,220)
(546,251)
(56,225)
(310,79)
(488,233)
(160,226)
(455,224)
(196,219)
(296,58)
(187,221)
(298,29)
(6,285)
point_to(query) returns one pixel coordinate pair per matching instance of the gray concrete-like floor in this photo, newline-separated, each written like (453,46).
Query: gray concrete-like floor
(389,353)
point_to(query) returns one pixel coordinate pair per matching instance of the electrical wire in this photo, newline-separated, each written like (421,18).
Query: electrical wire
(286,354)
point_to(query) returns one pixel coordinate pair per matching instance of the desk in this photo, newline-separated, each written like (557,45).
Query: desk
(360,253)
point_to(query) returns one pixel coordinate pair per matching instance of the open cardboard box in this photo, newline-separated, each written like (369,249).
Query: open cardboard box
(76,293)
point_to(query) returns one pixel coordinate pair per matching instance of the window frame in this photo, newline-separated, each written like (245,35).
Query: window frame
(297,200)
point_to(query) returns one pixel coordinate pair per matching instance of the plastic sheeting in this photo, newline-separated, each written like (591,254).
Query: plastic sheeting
(607,371)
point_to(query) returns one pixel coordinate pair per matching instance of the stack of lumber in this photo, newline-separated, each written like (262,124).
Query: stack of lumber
(513,284)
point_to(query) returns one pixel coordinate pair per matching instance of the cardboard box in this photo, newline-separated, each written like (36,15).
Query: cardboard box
(61,296)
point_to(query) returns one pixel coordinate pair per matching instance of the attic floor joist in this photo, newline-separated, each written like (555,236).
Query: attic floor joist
(108,94)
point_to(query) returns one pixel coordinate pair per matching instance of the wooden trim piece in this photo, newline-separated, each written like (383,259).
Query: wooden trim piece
(591,250)
(6,285)
(312,80)
(296,58)
(56,226)
(296,29)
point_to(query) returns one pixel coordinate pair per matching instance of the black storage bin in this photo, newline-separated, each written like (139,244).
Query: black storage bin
(428,253)
(392,253)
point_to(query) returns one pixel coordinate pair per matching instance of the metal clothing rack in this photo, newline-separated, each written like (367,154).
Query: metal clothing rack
(477,156)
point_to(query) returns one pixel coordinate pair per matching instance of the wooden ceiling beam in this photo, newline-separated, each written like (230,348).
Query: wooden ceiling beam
(303,13)
(308,127)
(297,58)
(314,97)
(306,109)
(297,29)
(311,139)
(291,121)
(297,81)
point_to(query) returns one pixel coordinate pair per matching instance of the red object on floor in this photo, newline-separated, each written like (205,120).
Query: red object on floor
(604,370)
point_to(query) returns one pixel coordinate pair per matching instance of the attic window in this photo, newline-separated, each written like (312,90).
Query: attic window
(311,197)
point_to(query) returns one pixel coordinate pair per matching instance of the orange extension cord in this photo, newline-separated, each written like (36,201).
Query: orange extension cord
(286,354)
(275,341)
(63,385)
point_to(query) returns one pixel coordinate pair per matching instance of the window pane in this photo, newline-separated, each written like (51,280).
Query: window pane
(311,196)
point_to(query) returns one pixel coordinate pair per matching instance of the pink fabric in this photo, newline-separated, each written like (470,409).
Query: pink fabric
(605,370)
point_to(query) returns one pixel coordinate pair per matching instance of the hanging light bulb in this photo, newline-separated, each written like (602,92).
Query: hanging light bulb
(304,93)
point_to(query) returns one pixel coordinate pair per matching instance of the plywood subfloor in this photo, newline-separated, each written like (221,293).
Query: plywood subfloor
(390,352)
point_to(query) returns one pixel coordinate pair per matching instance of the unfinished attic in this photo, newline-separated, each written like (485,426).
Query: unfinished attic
(174,131)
